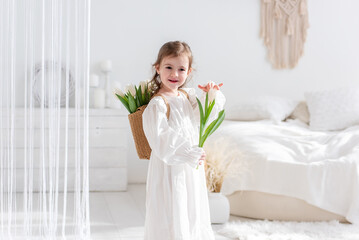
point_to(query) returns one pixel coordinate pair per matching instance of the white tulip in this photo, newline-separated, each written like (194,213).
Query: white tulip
(130,88)
(127,88)
(212,94)
(148,82)
(119,92)
(143,86)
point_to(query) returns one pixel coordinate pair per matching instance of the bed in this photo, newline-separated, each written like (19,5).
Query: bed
(294,170)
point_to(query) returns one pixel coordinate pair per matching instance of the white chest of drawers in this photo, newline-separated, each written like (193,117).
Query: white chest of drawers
(107,140)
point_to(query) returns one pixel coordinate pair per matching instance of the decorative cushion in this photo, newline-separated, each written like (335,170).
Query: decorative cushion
(301,112)
(260,108)
(334,109)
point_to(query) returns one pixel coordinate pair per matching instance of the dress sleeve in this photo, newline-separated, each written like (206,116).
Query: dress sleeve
(165,142)
(220,101)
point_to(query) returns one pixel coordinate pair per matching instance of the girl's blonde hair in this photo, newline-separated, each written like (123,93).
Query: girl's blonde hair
(169,49)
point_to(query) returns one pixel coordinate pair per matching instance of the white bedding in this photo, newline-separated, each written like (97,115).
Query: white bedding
(321,168)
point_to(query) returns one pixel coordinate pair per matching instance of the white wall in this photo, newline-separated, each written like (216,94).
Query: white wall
(224,37)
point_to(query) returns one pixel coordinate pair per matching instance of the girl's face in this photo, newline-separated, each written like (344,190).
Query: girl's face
(173,72)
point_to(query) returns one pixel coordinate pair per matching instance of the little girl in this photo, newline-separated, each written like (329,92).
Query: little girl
(176,193)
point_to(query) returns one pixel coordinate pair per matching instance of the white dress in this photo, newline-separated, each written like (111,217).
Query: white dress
(176,193)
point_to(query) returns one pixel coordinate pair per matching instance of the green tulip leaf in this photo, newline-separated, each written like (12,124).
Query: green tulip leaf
(139,96)
(213,127)
(132,103)
(201,127)
(148,97)
(124,102)
(206,104)
(209,110)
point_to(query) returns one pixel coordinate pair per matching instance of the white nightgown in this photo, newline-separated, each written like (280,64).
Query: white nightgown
(176,193)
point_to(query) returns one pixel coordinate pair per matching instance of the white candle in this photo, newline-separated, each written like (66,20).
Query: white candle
(94,80)
(106,66)
(99,97)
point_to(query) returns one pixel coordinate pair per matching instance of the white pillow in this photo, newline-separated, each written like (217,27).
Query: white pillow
(260,108)
(334,109)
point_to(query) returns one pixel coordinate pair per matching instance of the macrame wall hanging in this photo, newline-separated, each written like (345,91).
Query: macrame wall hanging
(284,25)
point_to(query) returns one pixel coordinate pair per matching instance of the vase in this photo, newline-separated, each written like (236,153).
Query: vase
(218,207)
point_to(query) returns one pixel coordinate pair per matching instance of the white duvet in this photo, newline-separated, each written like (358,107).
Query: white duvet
(321,168)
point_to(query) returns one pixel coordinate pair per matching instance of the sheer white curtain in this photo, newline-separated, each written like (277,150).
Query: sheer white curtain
(44,72)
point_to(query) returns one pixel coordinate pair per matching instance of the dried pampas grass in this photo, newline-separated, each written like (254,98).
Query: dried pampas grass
(223,159)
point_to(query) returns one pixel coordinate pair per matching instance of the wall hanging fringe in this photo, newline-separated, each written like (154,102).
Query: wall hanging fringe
(284,25)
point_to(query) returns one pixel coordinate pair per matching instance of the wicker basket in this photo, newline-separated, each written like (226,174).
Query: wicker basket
(142,147)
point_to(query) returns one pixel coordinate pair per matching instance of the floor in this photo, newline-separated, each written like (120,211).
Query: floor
(121,215)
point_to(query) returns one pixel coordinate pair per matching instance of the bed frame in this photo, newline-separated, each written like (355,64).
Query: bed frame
(259,205)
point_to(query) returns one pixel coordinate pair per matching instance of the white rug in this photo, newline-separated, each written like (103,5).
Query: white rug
(278,230)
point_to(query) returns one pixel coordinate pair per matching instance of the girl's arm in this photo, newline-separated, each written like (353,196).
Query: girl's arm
(164,141)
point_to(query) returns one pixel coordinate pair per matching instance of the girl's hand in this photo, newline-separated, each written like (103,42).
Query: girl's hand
(202,159)
(210,85)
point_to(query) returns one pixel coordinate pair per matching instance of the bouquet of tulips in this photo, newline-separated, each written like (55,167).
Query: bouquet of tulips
(204,116)
(134,97)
